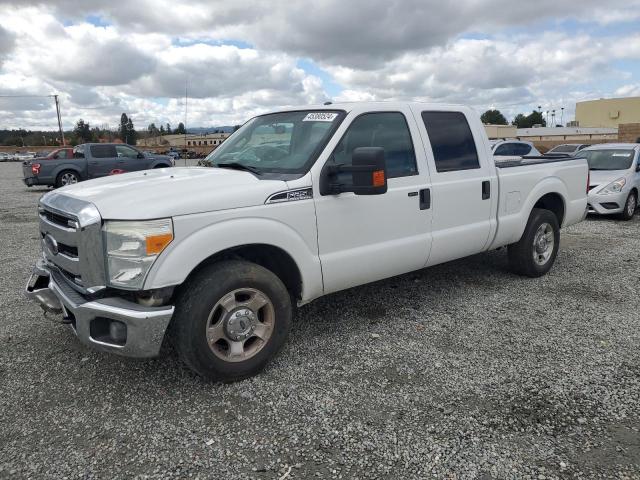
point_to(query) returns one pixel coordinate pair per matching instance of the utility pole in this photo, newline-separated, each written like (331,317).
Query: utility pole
(562,116)
(186,101)
(59,120)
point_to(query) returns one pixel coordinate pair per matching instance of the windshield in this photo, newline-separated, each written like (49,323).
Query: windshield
(563,149)
(286,142)
(608,159)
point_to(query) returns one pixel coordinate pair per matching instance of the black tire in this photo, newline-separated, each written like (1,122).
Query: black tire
(629,207)
(61,176)
(521,254)
(197,300)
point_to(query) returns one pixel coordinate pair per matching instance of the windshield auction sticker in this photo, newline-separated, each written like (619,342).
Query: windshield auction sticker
(320,117)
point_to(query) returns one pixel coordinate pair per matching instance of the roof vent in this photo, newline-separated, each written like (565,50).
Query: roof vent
(328,103)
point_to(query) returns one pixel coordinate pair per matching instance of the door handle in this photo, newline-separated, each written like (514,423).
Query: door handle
(486,189)
(425,199)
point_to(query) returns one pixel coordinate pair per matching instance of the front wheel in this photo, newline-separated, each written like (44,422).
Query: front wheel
(629,207)
(536,252)
(231,319)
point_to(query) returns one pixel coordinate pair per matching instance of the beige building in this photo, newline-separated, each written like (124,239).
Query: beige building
(567,134)
(208,140)
(495,132)
(609,112)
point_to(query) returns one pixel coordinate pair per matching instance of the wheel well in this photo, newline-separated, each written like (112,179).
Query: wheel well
(554,203)
(272,258)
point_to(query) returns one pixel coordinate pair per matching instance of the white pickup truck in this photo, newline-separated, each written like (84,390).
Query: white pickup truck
(299,203)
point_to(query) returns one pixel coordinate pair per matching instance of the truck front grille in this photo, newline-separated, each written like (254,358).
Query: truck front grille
(62,251)
(71,231)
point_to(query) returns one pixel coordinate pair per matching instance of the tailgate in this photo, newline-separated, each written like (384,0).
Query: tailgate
(26,169)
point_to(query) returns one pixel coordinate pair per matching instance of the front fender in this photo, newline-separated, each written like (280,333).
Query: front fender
(194,244)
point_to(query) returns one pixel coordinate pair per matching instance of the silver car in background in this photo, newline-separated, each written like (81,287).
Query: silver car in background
(567,149)
(614,178)
(508,150)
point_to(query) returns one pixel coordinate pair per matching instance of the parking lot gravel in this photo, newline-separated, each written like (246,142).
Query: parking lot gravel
(459,371)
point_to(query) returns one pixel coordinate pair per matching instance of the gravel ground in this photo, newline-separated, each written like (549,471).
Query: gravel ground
(460,371)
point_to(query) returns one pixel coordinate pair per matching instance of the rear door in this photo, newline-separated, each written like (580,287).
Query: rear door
(463,183)
(362,238)
(103,160)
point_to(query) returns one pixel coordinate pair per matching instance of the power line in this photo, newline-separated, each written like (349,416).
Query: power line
(27,96)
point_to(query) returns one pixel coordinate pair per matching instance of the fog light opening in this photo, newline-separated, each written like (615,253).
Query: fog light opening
(106,330)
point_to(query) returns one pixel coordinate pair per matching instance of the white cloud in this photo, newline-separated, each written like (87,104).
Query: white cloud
(511,55)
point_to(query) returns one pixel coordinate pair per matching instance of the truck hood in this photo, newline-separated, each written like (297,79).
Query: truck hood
(169,192)
(603,177)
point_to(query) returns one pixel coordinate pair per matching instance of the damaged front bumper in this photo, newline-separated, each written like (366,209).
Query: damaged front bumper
(110,324)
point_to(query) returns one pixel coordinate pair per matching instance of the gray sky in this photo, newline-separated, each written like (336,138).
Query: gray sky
(243,57)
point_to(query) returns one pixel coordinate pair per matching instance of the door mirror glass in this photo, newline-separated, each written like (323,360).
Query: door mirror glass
(368,174)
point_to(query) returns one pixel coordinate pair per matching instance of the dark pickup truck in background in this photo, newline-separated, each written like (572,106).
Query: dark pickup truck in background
(89,160)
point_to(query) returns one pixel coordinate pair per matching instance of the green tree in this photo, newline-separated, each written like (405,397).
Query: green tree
(132,135)
(82,131)
(123,130)
(161,129)
(169,132)
(493,117)
(236,127)
(534,118)
(180,130)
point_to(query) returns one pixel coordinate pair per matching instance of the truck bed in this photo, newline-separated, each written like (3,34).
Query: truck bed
(561,182)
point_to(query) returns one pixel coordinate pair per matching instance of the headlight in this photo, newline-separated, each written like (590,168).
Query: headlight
(614,187)
(132,247)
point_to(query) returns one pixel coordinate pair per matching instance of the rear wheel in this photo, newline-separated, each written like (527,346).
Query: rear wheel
(536,252)
(67,177)
(629,207)
(231,319)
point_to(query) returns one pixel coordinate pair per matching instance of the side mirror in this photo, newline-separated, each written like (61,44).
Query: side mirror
(55,156)
(638,167)
(140,155)
(368,172)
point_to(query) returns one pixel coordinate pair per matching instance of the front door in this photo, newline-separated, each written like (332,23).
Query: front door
(464,185)
(129,159)
(365,238)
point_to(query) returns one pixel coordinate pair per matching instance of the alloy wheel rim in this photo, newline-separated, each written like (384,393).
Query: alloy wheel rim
(69,179)
(631,205)
(240,324)
(543,244)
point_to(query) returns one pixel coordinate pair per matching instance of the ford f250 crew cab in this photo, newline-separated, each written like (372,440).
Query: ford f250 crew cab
(89,160)
(298,204)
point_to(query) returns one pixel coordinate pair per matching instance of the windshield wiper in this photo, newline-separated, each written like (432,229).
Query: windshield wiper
(239,166)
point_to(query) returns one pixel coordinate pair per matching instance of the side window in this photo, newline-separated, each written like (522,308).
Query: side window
(388,130)
(504,149)
(451,141)
(522,149)
(103,151)
(125,151)
(78,152)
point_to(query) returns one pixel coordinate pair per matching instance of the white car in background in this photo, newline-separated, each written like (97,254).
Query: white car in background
(505,150)
(615,178)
